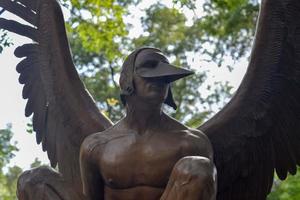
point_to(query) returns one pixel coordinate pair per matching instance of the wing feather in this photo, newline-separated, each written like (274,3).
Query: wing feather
(258,131)
(63,111)
(20,10)
(31,4)
(19,28)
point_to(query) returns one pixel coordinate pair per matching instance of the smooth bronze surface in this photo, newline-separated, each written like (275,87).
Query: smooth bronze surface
(149,155)
(151,63)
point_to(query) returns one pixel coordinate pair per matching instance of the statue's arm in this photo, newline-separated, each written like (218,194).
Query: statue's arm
(194,177)
(93,187)
(204,146)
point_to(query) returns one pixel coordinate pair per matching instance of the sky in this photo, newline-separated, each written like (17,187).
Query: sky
(12,105)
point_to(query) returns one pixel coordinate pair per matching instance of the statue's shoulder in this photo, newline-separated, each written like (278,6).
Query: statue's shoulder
(101,139)
(177,126)
(196,140)
(202,142)
(198,133)
(189,134)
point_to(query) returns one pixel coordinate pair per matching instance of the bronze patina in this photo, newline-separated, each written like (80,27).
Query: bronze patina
(149,155)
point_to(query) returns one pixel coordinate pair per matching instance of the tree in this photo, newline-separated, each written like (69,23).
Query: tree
(10,183)
(4,40)
(9,179)
(98,27)
(7,150)
(225,26)
(36,163)
(99,54)
(99,38)
(173,37)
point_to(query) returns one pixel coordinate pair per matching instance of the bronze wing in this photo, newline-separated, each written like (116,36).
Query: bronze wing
(258,131)
(63,111)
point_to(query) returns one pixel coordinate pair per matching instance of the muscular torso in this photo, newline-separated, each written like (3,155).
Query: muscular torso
(138,166)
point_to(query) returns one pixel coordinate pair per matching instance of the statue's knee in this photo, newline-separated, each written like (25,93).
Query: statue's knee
(36,175)
(44,183)
(32,181)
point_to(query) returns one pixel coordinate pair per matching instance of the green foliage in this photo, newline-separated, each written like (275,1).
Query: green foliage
(6,148)
(168,34)
(227,25)
(100,43)
(187,96)
(4,40)
(286,190)
(7,180)
(99,40)
(93,22)
(106,92)
(9,183)
(174,38)
(188,3)
(36,163)
(95,30)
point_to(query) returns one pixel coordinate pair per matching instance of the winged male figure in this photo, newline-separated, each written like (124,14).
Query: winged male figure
(148,154)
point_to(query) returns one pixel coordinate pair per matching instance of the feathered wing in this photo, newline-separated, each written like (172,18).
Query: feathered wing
(63,111)
(258,131)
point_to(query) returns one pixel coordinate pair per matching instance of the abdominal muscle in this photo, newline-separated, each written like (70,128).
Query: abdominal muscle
(134,193)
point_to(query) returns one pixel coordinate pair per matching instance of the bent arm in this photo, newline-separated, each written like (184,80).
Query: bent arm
(93,187)
(194,177)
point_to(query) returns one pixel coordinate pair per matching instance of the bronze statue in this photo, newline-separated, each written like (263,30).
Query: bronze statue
(148,155)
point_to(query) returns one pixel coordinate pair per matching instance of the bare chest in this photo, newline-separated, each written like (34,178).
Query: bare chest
(142,161)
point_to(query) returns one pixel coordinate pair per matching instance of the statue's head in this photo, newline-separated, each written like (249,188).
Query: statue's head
(149,65)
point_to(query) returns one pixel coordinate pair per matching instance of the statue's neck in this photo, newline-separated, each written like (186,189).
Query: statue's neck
(142,117)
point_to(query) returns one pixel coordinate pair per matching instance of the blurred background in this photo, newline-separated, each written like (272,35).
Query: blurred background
(211,37)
